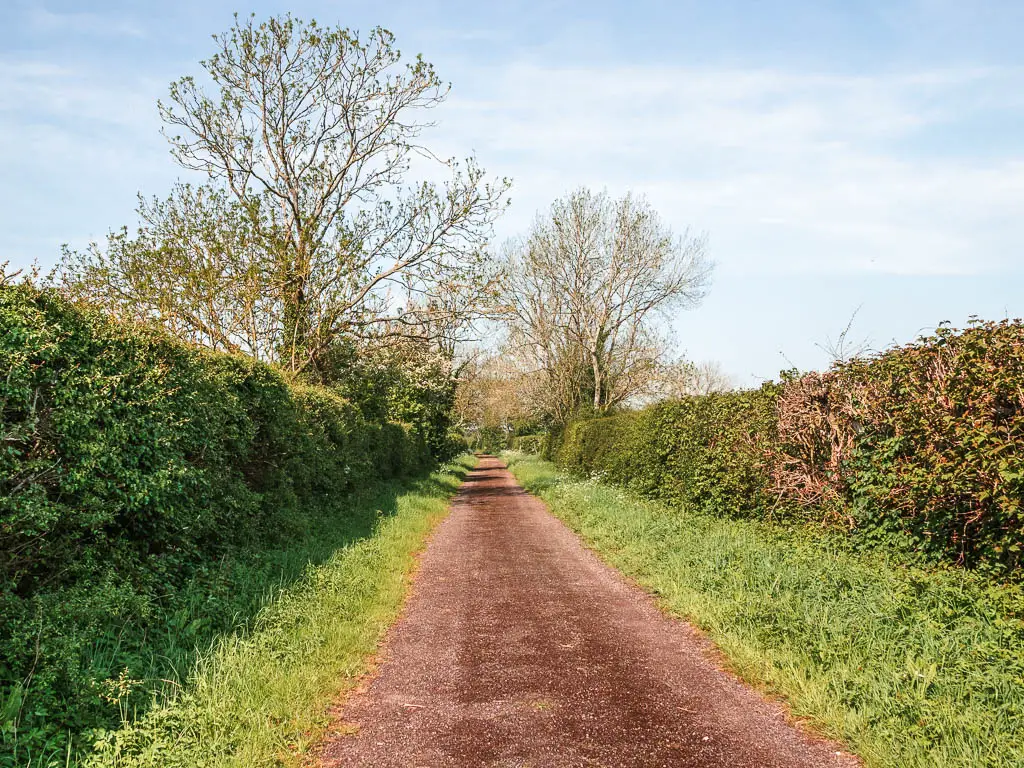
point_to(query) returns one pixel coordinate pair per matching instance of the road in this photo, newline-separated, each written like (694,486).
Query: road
(518,648)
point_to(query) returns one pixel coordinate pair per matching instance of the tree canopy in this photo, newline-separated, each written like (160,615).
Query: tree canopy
(309,226)
(585,291)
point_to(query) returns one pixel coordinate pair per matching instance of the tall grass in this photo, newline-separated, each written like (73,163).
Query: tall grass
(260,697)
(908,666)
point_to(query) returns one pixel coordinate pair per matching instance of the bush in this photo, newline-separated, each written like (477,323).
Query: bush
(128,463)
(920,446)
(924,440)
(406,382)
(707,451)
(534,444)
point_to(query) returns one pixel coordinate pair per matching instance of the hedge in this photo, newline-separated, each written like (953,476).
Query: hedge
(924,440)
(708,452)
(921,446)
(129,461)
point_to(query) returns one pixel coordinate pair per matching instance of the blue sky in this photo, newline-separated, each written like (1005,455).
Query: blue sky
(838,154)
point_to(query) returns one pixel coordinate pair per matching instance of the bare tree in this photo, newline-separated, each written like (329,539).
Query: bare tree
(491,394)
(709,377)
(683,378)
(8,278)
(307,141)
(586,290)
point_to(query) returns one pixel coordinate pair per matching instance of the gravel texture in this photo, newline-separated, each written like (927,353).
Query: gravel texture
(518,648)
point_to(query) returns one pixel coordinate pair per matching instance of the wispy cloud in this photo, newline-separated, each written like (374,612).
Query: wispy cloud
(43,20)
(75,148)
(36,89)
(787,171)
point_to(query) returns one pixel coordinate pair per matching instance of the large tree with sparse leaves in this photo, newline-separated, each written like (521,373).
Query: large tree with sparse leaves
(587,291)
(309,226)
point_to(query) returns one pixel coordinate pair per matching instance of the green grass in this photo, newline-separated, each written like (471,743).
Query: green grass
(131,649)
(907,666)
(260,697)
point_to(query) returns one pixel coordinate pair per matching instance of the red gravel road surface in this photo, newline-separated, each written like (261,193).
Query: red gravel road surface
(518,648)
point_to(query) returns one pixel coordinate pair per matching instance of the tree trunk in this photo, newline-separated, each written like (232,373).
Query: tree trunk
(595,364)
(295,316)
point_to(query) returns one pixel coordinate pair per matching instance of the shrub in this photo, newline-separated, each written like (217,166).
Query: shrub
(128,462)
(926,440)
(535,444)
(922,445)
(707,451)
(407,381)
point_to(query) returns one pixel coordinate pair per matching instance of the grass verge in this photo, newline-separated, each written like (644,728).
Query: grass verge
(260,698)
(908,666)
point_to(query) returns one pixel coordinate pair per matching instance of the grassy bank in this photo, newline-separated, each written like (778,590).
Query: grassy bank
(148,654)
(260,697)
(907,666)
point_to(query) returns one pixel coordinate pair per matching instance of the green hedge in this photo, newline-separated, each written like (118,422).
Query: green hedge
(128,463)
(920,447)
(701,451)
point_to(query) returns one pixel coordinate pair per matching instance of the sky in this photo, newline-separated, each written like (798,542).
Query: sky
(848,159)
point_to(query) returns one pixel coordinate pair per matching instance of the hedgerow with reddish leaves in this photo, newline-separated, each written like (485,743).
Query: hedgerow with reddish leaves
(921,445)
(925,439)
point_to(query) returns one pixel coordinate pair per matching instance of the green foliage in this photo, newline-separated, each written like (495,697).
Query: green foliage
(489,439)
(924,443)
(706,451)
(405,381)
(920,447)
(495,439)
(532,444)
(909,666)
(130,465)
(260,698)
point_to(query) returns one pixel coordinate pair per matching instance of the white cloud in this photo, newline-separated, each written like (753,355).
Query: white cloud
(76,146)
(786,171)
(75,97)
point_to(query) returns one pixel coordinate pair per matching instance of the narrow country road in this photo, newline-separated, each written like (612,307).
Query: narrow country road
(519,648)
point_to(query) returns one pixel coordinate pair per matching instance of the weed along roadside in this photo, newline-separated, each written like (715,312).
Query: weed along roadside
(907,665)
